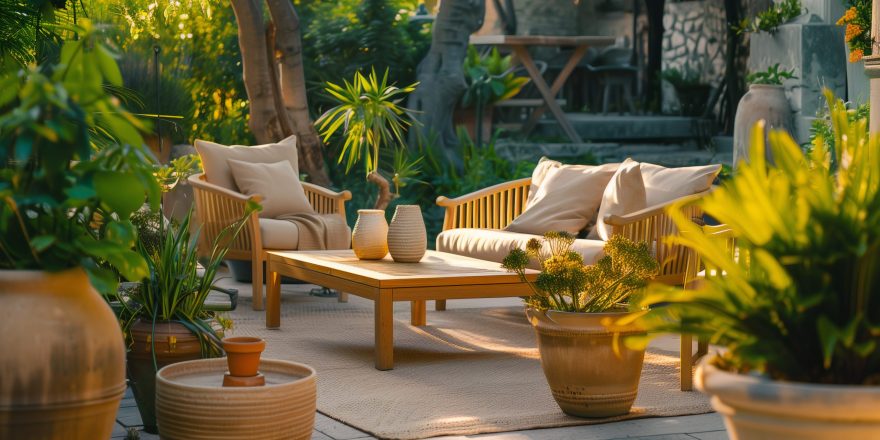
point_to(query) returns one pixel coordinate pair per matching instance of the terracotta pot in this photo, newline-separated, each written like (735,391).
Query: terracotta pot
(173,343)
(192,404)
(762,101)
(62,364)
(759,408)
(467,118)
(587,378)
(243,355)
(407,238)
(369,238)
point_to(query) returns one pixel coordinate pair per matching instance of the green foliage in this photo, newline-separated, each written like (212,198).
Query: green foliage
(821,129)
(141,91)
(369,114)
(489,78)
(177,170)
(800,298)
(566,284)
(777,14)
(686,77)
(65,203)
(772,76)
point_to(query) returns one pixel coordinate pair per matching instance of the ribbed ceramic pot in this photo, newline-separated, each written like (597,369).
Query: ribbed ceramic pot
(407,238)
(586,376)
(369,238)
(62,357)
(192,404)
(756,407)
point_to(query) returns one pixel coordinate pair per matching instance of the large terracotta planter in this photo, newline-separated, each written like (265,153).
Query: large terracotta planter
(192,404)
(369,238)
(62,358)
(586,376)
(759,408)
(173,343)
(407,238)
(762,101)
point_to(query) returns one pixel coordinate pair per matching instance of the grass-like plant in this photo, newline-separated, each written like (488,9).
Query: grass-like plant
(768,20)
(772,76)
(566,284)
(800,299)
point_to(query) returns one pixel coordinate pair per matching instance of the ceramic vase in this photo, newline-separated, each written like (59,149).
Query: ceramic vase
(407,239)
(762,101)
(369,239)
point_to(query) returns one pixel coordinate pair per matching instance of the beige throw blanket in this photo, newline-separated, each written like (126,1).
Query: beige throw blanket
(320,231)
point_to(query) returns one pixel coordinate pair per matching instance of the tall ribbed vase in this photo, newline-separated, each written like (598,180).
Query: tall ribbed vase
(369,239)
(407,239)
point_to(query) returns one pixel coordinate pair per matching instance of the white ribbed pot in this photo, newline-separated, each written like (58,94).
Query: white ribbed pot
(762,101)
(369,238)
(757,408)
(407,239)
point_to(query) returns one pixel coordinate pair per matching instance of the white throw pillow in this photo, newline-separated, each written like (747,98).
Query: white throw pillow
(217,170)
(277,183)
(567,200)
(624,194)
(666,184)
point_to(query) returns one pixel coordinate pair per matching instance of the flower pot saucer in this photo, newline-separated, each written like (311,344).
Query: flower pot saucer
(246,381)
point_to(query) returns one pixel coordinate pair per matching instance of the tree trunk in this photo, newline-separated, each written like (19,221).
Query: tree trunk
(258,77)
(384,188)
(732,79)
(440,74)
(292,78)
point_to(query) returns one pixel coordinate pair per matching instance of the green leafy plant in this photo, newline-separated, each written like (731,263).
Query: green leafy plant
(800,299)
(685,77)
(66,203)
(777,14)
(490,78)
(821,129)
(566,284)
(772,76)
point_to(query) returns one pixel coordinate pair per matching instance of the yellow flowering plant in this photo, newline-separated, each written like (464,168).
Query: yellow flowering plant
(857,20)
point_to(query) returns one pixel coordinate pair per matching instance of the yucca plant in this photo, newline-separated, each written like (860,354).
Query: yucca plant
(799,299)
(566,284)
(371,118)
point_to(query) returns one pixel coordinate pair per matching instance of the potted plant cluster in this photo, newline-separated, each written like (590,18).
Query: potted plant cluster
(72,170)
(797,302)
(765,101)
(490,79)
(574,308)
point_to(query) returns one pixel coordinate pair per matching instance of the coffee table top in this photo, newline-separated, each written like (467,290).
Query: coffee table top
(435,269)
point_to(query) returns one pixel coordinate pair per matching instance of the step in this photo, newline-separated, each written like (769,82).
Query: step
(618,128)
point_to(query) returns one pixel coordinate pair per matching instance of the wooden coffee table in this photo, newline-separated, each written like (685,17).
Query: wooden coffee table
(439,276)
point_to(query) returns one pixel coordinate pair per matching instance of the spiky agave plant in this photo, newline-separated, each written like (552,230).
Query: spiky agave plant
(799,297)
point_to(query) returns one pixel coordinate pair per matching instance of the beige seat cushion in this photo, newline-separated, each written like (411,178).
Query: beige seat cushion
(566,200)
(278,234)
(495,244)
(277,183)
(624,194)
(666,184)
(214,158)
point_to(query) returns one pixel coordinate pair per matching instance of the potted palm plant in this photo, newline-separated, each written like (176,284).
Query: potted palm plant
(796,302)
(573,310)
(72,170)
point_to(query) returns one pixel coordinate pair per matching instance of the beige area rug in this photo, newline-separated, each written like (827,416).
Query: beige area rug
(469,371)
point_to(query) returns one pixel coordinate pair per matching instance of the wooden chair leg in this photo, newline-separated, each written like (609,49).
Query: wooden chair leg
(343,297)
(440,305)
(257,283)
(687,363)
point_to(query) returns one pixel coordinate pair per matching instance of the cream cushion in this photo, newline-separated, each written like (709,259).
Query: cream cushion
(663,184)
(624,194)
(278,234)
(214,158)
(566,200)
(277,183)
(495,244)
(538,174)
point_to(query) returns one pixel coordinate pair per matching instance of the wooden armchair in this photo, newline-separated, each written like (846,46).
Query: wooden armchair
(218,207)
(496,206)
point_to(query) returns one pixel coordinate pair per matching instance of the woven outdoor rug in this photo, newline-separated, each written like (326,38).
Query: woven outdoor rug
(469,371)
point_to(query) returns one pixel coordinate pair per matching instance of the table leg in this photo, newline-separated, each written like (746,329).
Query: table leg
(549,97)
(419,313)
(273,298)
(440,305)
(343,297)
(384,315)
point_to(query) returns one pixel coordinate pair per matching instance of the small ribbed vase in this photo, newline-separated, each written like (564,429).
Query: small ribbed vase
(369,239)
(407,239)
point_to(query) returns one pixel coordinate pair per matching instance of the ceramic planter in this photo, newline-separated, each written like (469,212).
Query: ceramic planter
(762,101)
(759,408)
(173,343)
(407,239)
(63,357)
(243,355)
(587,378)
(369,238)
(192,405)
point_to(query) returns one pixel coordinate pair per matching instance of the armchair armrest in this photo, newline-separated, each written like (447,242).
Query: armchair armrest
(217,208)
(489,208)
(325,201)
